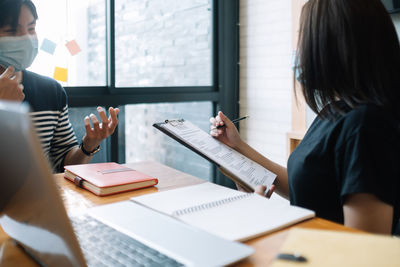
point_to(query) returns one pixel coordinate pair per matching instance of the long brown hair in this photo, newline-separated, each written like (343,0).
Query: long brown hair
(348,50)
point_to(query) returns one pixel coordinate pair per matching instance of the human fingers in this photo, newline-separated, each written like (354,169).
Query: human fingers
(213,127)
(8,73)
(224,119)
(21,92)
(260,189)
(215,132)
(95,122)
(113,120)
(89,130)
(103,116)
(214,121)
(18,76)
(218,121)
(268,194)
(216,126)
(113,114)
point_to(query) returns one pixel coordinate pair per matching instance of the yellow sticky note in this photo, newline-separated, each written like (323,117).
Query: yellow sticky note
(60,74)
(73,47)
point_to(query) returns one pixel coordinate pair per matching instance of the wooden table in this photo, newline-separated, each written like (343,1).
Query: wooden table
(78,200)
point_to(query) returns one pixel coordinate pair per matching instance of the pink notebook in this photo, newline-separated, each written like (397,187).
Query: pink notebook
(107,178)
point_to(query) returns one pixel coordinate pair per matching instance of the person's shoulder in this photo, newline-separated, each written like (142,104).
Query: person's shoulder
(43,93)
(370,113)
(370,117)
(43,82)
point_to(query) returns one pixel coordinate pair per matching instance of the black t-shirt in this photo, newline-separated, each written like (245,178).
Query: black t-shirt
(357,152)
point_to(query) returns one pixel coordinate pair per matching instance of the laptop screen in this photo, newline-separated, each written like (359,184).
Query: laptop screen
(32,212)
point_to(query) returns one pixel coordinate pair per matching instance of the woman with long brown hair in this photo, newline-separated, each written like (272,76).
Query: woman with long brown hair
(347,167)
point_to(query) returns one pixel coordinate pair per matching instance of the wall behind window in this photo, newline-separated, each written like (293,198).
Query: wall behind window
(265,75)
(83,21)
(163,43)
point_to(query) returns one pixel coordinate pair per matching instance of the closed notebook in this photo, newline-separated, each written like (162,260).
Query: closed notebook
(225,212)
(334,248)
(107,178)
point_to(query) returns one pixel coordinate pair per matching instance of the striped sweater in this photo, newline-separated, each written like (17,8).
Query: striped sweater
(48,101)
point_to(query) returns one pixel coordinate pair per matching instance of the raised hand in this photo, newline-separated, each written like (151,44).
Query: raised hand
(94,136)
(10,85)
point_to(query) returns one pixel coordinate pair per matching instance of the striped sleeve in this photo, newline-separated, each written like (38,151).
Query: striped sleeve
(63,140)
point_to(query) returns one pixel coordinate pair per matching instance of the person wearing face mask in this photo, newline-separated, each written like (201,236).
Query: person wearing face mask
(47,98)
(347,167)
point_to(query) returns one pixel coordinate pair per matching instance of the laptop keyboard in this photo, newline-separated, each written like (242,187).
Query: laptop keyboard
(105,246)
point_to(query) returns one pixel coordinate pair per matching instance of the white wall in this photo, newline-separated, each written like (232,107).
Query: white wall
(265,75)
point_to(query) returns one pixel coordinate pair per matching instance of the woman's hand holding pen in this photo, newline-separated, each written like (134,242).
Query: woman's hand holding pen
(223,129)
(260,190)
(228,134)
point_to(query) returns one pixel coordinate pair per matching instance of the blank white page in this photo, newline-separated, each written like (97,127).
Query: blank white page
(225,212)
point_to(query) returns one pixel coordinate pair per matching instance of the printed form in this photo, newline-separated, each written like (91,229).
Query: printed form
(239,165)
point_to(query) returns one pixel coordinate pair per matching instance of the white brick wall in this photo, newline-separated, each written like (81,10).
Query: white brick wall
(265,75)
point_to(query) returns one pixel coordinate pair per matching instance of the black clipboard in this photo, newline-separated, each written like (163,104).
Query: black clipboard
(182,142)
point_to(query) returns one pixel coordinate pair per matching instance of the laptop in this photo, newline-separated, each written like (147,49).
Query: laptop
(119,234)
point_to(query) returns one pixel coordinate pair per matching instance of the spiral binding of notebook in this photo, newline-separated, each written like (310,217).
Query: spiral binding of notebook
(209,205)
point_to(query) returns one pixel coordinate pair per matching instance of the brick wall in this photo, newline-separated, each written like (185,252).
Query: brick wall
(163,43)
(265,75)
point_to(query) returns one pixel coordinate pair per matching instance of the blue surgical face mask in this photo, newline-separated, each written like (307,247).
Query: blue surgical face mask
(18,51)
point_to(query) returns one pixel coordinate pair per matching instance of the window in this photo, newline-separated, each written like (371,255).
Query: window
(155,59)
(139,133)
(72,41)
(163,43)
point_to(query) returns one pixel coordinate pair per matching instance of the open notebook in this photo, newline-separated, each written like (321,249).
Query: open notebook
(228,213)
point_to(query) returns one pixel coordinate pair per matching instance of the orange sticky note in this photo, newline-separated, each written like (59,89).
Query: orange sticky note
(60,74)
(73,47)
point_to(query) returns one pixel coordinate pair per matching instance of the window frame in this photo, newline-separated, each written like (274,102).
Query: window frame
(224,91)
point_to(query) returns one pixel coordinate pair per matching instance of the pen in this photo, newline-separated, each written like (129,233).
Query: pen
(291,257)
(234,121)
